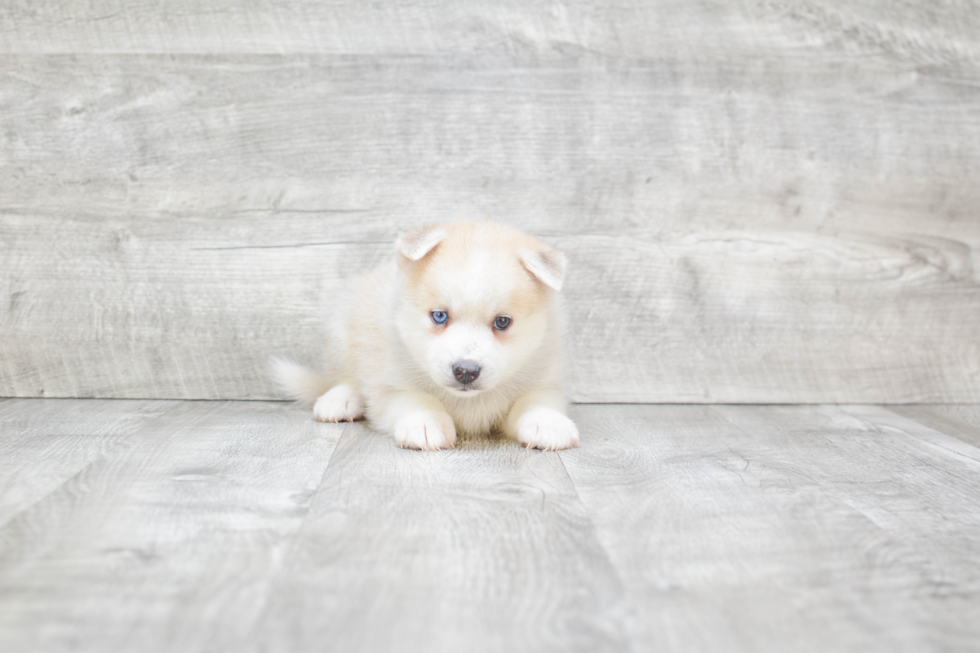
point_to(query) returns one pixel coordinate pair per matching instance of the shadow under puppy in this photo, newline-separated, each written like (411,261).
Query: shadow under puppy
(459,333)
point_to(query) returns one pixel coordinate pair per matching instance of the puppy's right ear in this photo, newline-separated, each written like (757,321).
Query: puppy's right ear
(547,264)
(416,243)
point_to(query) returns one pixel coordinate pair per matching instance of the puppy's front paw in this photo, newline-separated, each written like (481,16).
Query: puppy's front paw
(340,404)
(425,429)
(546,428)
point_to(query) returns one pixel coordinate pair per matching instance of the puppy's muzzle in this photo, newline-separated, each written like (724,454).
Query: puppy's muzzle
(466,372)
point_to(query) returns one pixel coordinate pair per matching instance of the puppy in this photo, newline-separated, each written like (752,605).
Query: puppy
(459,333)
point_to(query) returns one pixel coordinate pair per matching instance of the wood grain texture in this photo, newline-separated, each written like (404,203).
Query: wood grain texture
(762,202)
(482,548)
(958,420)
(44,444)
(940,32)
(771,528)
(893,421)
(168,540)
(246,526)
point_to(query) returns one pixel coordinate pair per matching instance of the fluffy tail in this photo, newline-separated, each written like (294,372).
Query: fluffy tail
(297,382)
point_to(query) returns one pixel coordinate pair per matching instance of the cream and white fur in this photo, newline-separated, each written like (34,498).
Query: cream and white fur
(392,363)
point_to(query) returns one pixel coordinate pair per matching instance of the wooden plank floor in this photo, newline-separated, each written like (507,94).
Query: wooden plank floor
(245,526)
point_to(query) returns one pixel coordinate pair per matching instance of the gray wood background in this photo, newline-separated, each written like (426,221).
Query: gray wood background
(761,201)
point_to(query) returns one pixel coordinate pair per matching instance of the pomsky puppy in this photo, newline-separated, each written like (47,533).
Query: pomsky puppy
(459,333)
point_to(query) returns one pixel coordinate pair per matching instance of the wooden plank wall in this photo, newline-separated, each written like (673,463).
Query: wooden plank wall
(762,201)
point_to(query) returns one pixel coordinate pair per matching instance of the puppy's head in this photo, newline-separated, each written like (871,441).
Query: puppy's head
(476,302)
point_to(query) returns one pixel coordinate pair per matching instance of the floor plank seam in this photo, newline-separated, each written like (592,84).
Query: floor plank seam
(631,607)
(101,458)
(293,539)
(937,439)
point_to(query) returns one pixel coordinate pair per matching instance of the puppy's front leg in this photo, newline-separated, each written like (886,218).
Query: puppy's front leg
(538,421)
(419,421)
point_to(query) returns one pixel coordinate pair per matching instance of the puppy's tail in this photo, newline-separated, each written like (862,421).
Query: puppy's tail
(297,382)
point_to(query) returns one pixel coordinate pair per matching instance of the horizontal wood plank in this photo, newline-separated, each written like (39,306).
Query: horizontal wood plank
(929,33)
(125,311)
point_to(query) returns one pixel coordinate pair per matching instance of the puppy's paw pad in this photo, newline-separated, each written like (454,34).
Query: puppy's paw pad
(427,430)
(340,404)
(546,428)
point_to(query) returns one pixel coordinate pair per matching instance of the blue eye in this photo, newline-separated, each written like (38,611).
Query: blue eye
(440,317)
(501,323)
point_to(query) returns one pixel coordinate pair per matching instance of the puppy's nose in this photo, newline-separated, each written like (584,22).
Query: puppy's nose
(466,371)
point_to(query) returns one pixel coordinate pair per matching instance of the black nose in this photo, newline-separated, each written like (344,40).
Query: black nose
(466,371)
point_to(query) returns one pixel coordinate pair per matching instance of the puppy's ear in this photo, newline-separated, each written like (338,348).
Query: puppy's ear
(416,243)
(548,265)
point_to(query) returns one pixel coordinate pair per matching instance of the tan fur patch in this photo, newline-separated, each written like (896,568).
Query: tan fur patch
(455,256)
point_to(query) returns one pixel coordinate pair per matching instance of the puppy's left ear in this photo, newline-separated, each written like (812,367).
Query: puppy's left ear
(416,243)
(548,265)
